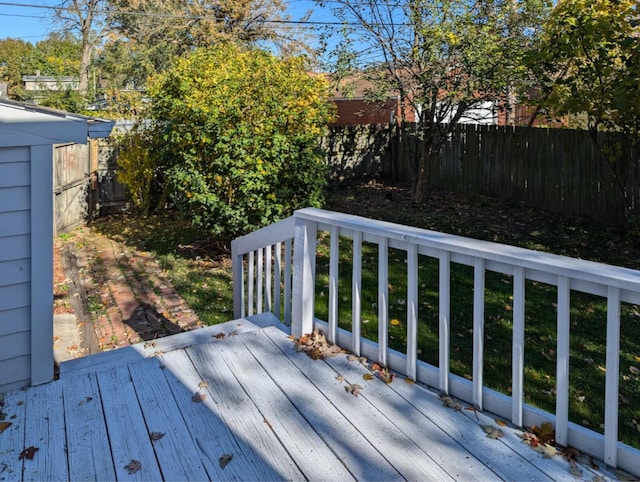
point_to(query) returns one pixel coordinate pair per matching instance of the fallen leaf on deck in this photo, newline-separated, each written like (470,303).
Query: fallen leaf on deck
(340,378)
(450,402)
(28,453)
(133,466)
(574,469)
(368,377)
(492,432)
(548,451)
(409,381)
(545,433)
(224,460)
(156,435)
(82,402)
(233,333)
(203,384)
(363,361)
(315,345)
(352,357)
(502,423)
(385,375)
(375,367)
(199,397)
(150,344)
(219,336)
(4,426)
(353,389)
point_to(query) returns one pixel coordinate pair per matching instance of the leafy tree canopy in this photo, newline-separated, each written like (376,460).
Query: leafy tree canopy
(237,132)
(589,62)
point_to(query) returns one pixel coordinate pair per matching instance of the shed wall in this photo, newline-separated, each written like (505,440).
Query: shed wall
(15,267)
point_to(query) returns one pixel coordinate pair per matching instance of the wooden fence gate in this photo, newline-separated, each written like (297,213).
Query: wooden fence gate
(84,184)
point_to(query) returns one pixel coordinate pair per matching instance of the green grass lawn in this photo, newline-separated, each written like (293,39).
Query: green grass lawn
(201,272)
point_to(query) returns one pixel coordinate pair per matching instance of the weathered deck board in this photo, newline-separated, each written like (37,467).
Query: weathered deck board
(295,433)
(128,435)
(279,413)
(45,427)
(175,449)
(88,451)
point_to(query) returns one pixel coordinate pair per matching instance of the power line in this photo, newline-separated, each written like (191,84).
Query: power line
(190,17)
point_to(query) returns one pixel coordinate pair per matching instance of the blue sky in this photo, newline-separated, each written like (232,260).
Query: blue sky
(32,24)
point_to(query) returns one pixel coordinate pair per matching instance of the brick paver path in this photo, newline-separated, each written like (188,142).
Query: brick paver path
(130,298)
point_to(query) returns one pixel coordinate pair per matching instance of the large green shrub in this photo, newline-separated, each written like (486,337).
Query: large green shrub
(240,131)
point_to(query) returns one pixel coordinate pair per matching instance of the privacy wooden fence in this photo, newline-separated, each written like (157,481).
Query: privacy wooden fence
(554,169)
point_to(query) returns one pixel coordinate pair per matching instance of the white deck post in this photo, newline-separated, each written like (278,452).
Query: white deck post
(304,263)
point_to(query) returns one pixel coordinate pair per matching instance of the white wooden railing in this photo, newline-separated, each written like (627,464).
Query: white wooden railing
(263,282)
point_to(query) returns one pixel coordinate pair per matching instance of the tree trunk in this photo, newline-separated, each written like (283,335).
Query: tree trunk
(85,62)
(422,171)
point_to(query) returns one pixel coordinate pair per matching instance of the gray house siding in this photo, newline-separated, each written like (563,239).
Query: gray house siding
(27,136)
(15,267)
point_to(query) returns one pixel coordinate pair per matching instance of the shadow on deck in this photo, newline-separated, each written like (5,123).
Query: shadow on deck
(237,402)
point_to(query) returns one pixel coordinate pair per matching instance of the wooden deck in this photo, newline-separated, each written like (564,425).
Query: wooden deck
(278,413)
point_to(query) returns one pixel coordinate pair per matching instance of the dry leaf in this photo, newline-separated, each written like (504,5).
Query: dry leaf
(82,402)
(352,358)
(133,466)
(634,370)
(199,397)
(353,389)
(156,435)
(409,381)
(315,345)
(545,433)
(203,384)
(574,469)
(340,378)
(150,344)
(4,426)
(375,367)
(492,432)
(601,368)
(219,336)
(363,361)
(224,460)
(28,453)
(368,377)
(450,402)
(502,423)
(548,451)
(395,322)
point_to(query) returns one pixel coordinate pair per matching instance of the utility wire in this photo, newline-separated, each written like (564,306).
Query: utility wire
(190,17)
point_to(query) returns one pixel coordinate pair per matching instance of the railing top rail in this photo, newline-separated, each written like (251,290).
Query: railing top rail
(604,274)
(267,236)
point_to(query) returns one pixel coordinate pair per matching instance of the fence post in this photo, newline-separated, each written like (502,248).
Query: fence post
(304,266)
